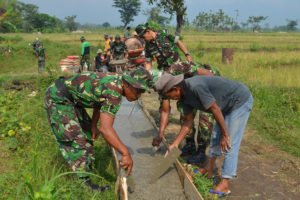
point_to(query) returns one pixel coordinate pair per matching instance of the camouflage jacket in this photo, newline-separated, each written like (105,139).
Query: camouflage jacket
(164,49)
(96,90)
(117,49)
(41,53)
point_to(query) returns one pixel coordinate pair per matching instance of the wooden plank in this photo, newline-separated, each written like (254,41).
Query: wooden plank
(190,190)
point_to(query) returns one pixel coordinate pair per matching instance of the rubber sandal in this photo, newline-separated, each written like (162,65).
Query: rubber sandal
(220,193)
(197,172)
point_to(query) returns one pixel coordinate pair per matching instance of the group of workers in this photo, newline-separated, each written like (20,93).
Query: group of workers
(224,107)
(113,50)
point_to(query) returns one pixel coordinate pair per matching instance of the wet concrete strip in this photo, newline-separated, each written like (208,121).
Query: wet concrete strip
(137,133)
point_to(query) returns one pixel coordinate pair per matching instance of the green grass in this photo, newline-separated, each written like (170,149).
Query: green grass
(34,165)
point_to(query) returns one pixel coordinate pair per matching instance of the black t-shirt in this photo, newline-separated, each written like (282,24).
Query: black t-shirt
(98,61)
(202,91)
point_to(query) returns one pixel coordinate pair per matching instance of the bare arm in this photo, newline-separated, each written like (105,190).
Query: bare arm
(185,128)
(184,50)
(110,135)
(164,118)
(202,72)
(95,119)
(225,140)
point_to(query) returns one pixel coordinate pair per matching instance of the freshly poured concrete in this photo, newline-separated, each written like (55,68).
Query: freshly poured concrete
(137,133)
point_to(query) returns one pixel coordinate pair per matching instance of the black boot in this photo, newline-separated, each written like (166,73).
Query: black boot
(198,158)
(89,184)
(189,148)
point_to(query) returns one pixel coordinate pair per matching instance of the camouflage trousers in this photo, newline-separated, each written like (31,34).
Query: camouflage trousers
(119,56)
(41,65)
(85,59)
(205,126)
(71,126)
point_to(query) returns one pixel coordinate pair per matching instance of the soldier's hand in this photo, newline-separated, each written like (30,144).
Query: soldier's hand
(95,133)
(156,141)
(127,163)
(189,58)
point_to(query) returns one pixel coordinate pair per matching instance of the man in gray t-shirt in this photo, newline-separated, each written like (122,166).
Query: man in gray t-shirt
(229,101)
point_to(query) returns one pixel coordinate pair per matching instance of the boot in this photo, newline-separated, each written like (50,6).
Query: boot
(189,148)
(89,184)
(198,158)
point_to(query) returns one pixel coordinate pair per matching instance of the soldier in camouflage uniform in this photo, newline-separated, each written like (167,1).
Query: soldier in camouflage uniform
(74,130)
(85,54)
(42,56)
(118,49)
(164,47)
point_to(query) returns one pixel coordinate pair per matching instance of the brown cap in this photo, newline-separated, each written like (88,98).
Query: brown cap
(166,82)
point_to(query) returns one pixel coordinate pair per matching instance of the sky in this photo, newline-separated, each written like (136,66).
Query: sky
(100,11)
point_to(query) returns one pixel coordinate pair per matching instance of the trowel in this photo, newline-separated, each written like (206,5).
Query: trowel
(165,164)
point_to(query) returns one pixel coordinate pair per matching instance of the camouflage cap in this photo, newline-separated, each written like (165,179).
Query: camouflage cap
(118,37)
(139,78)
(82,38)
(141,29)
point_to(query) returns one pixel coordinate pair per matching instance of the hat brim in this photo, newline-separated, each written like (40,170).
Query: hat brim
(173,82)
(134,83)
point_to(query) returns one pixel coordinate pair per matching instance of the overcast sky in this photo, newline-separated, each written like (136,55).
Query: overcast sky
(100,11)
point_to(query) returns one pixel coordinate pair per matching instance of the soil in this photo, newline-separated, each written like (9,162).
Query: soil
(137,132)
(264,171)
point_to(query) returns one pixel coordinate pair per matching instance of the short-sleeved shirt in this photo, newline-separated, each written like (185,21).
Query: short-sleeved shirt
(98,61)
(85,48)
(96,90)
(127,34)
(202,91)
(163,48)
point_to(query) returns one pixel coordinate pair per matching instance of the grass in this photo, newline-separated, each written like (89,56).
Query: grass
(35,166)
(271,70)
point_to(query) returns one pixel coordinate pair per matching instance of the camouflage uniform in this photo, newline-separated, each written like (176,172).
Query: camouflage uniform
(68,118)
(117,50)
(164,49)
(41,58)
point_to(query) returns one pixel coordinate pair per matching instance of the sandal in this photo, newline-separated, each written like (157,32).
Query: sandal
(221,194)
(197,172)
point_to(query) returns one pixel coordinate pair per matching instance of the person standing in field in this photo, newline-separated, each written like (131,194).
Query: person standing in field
(118,49)
(41,56)
(165,48)
(85,54)
(127,33)
(229,101)
(75,131)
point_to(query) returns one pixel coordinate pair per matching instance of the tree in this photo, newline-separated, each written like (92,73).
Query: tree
(255,21)
(127,9)
(171,7)
(106,24)
(70,23)
(291,25)
(154,14)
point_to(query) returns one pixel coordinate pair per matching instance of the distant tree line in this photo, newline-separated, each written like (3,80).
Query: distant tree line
(22,17)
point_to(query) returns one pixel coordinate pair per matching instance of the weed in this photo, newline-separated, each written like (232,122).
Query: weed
(254,46)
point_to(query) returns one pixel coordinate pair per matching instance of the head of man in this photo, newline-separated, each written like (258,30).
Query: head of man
(105,37)
(170,86)
(82,39)
(99,52)
(144,32)
(40,44)
(128,28)
(118,38)
(111,38)
(135,83)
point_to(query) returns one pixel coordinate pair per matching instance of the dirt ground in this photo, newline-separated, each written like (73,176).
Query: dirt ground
(264,171)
